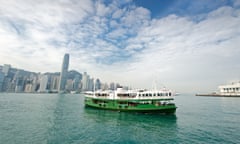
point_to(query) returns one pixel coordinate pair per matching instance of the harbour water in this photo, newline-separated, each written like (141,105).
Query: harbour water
(63,119)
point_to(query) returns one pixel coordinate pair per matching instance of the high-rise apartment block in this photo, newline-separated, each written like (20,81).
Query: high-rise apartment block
(43,84)
(85,81)
(54,83)
(6,68)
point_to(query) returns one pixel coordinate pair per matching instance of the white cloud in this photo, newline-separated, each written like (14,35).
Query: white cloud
(101,9)
(117,14)
(179,49)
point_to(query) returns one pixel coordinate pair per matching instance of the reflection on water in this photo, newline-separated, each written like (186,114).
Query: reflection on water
(66,122)
(106,115)
(135,127)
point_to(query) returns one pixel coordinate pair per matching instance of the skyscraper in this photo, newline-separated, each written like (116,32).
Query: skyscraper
(63,75)
(85,81)
(97,84)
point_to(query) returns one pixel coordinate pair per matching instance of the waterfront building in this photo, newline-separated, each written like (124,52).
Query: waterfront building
(8,85)
(104,86)
(28,88)
(117,85)
(63,74)
(19,84)
(43,84)
(112,86)
(76,82)
(69,85)
(18,80)
(85,81)
(6,69)
(230,89)
(91,84)
(97,84)
(36,82)
(54,83)
(1,81)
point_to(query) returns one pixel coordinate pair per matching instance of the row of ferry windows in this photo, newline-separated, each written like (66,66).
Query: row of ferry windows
(231,89)
(143,95)
(102,94)
(155,94)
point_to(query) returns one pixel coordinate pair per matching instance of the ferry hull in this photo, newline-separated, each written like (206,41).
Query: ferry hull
(141,108)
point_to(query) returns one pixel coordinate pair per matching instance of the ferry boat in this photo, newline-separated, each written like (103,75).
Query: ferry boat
(147,101)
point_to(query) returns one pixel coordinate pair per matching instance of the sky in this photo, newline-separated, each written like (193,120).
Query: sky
(187,46)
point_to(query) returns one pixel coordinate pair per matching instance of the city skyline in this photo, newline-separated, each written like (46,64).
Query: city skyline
(184,45)
(16,80)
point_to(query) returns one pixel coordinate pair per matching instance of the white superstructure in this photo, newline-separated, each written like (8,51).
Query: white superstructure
(131,94)
(230,89)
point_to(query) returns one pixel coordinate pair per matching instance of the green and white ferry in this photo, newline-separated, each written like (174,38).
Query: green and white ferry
(147,101)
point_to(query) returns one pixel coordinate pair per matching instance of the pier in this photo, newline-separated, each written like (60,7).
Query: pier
(218,95)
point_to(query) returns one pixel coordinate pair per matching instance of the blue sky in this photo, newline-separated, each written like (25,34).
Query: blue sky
(188,46)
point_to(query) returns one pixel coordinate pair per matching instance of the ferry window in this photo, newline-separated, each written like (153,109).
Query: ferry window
(150,94)
(143,94)
(170,94)
(146,94)
(166,94)
(140,95)
(159,94)
(154,94)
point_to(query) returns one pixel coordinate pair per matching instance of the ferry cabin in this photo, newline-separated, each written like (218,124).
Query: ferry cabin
(130,95)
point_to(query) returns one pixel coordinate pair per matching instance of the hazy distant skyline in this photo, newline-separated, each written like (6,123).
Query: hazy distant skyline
(188,46)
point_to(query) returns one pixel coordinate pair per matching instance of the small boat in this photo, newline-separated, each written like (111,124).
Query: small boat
(147,101)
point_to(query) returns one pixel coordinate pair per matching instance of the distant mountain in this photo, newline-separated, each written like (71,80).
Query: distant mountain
(72,74)
(55,73)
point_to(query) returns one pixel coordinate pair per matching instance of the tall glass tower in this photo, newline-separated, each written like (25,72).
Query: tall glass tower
(63,75)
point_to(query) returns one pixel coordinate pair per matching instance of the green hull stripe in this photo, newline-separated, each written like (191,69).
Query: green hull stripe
(131,105)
